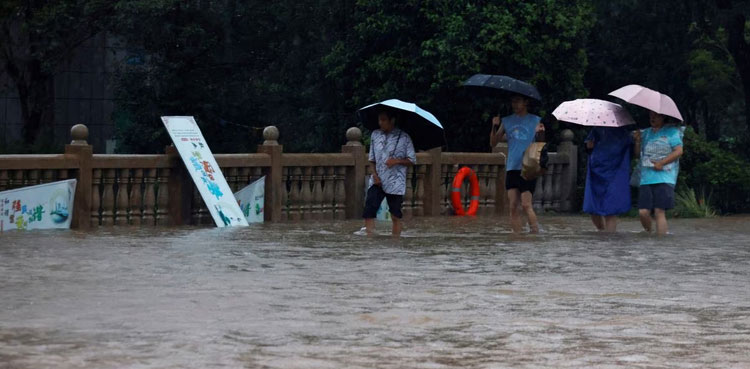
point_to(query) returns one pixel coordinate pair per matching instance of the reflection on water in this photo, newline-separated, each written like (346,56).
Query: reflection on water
(453,292)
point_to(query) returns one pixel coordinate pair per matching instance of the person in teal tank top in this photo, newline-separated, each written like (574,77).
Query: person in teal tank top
(659,149)
(520,130)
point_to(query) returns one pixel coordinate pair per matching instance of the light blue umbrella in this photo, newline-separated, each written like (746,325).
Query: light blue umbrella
(425,130)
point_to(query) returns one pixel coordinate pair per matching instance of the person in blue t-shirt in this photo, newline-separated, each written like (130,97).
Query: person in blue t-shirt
(519,129)
(659,148)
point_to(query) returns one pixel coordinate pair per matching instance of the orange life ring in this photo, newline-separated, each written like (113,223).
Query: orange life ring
(456,192)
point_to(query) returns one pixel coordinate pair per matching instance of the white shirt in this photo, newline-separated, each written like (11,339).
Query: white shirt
(395,144)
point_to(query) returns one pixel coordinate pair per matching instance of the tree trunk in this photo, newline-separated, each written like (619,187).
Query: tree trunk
(36,97)
(740,51)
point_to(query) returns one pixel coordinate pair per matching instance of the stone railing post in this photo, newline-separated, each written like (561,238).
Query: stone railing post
(273,206)
(83,152)
(180,187)
(570,175)
(355,176)
(433,182)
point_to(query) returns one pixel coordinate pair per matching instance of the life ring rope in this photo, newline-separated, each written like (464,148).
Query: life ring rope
(458,182)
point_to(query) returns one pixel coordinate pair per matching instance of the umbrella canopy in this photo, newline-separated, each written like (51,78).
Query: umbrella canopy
(425,130)
(593,112)
(649,99)
(504,83)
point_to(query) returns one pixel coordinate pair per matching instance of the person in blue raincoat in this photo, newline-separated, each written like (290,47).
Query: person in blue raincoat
(608,176)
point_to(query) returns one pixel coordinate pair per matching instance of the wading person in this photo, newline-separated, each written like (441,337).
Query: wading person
(391,151)
(607,192)
(519,129)
(659,148)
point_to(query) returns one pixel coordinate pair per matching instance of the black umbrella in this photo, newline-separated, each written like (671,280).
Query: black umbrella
(425,130)
(505,84)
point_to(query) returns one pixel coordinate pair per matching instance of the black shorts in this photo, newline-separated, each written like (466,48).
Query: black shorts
(375,197)
(513,179)
(656,196)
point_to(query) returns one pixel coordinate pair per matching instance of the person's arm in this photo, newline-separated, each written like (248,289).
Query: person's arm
(374,173)
(497,134)
(673,156)
(411,155)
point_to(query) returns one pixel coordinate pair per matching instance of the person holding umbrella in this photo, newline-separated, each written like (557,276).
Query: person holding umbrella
(659,149)
(609,145)
(519,130)
(392,151)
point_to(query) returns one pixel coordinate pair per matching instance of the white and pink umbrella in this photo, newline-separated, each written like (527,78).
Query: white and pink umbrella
(649,99)
(593,112)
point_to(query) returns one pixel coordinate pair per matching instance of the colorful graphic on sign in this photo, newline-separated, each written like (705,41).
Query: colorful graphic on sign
(204,170)
(252,200)
(44,206)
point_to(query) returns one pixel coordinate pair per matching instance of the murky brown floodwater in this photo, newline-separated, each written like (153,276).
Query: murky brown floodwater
(452,293)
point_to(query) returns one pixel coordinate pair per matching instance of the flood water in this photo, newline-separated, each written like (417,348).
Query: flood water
(452,293)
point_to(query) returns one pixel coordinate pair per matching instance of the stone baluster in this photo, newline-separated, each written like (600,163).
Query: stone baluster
(123,206)
(63,174)
(3,180)
(445,189)
(199,212)
(484,189)
(83,152)
(419,197)
(243,177)
(162,199)
(570,174)
(538,197)
(232,180)
(316,208)
(295,208)
(557,187)
(48,176)
(408,206)
(96,181)
(108,197)
(17,180)
(548,193)
(284,193)
(149,200)
(136,198)
(329,184)
(340,193)
(491,184)
(306,193)
(34,177)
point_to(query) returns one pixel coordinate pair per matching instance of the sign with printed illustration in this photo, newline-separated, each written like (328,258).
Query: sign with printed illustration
(252,200)
(204,170)
(44,206)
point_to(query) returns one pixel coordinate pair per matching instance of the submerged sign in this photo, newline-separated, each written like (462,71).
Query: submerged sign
(252,200)
(44,206)
(204,170)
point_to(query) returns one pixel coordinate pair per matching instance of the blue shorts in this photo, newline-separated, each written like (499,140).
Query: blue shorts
(656,196)
(375,195)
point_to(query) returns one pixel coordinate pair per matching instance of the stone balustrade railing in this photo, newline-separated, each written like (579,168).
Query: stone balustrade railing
(157,190)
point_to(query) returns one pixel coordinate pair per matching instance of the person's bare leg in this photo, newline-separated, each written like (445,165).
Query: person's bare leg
(514,199)
(396,231)
(598,222)
(610,223)
(528,208)
(370,226)
(661,221)
(645,215)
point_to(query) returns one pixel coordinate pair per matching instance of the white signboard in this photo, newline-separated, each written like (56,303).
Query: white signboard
(252,200)
(44,206)
(206,174)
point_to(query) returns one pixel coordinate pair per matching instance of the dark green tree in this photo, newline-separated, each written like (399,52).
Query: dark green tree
(35,37)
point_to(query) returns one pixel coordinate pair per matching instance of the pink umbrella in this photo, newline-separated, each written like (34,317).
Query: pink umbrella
(649,99)
(593,112)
